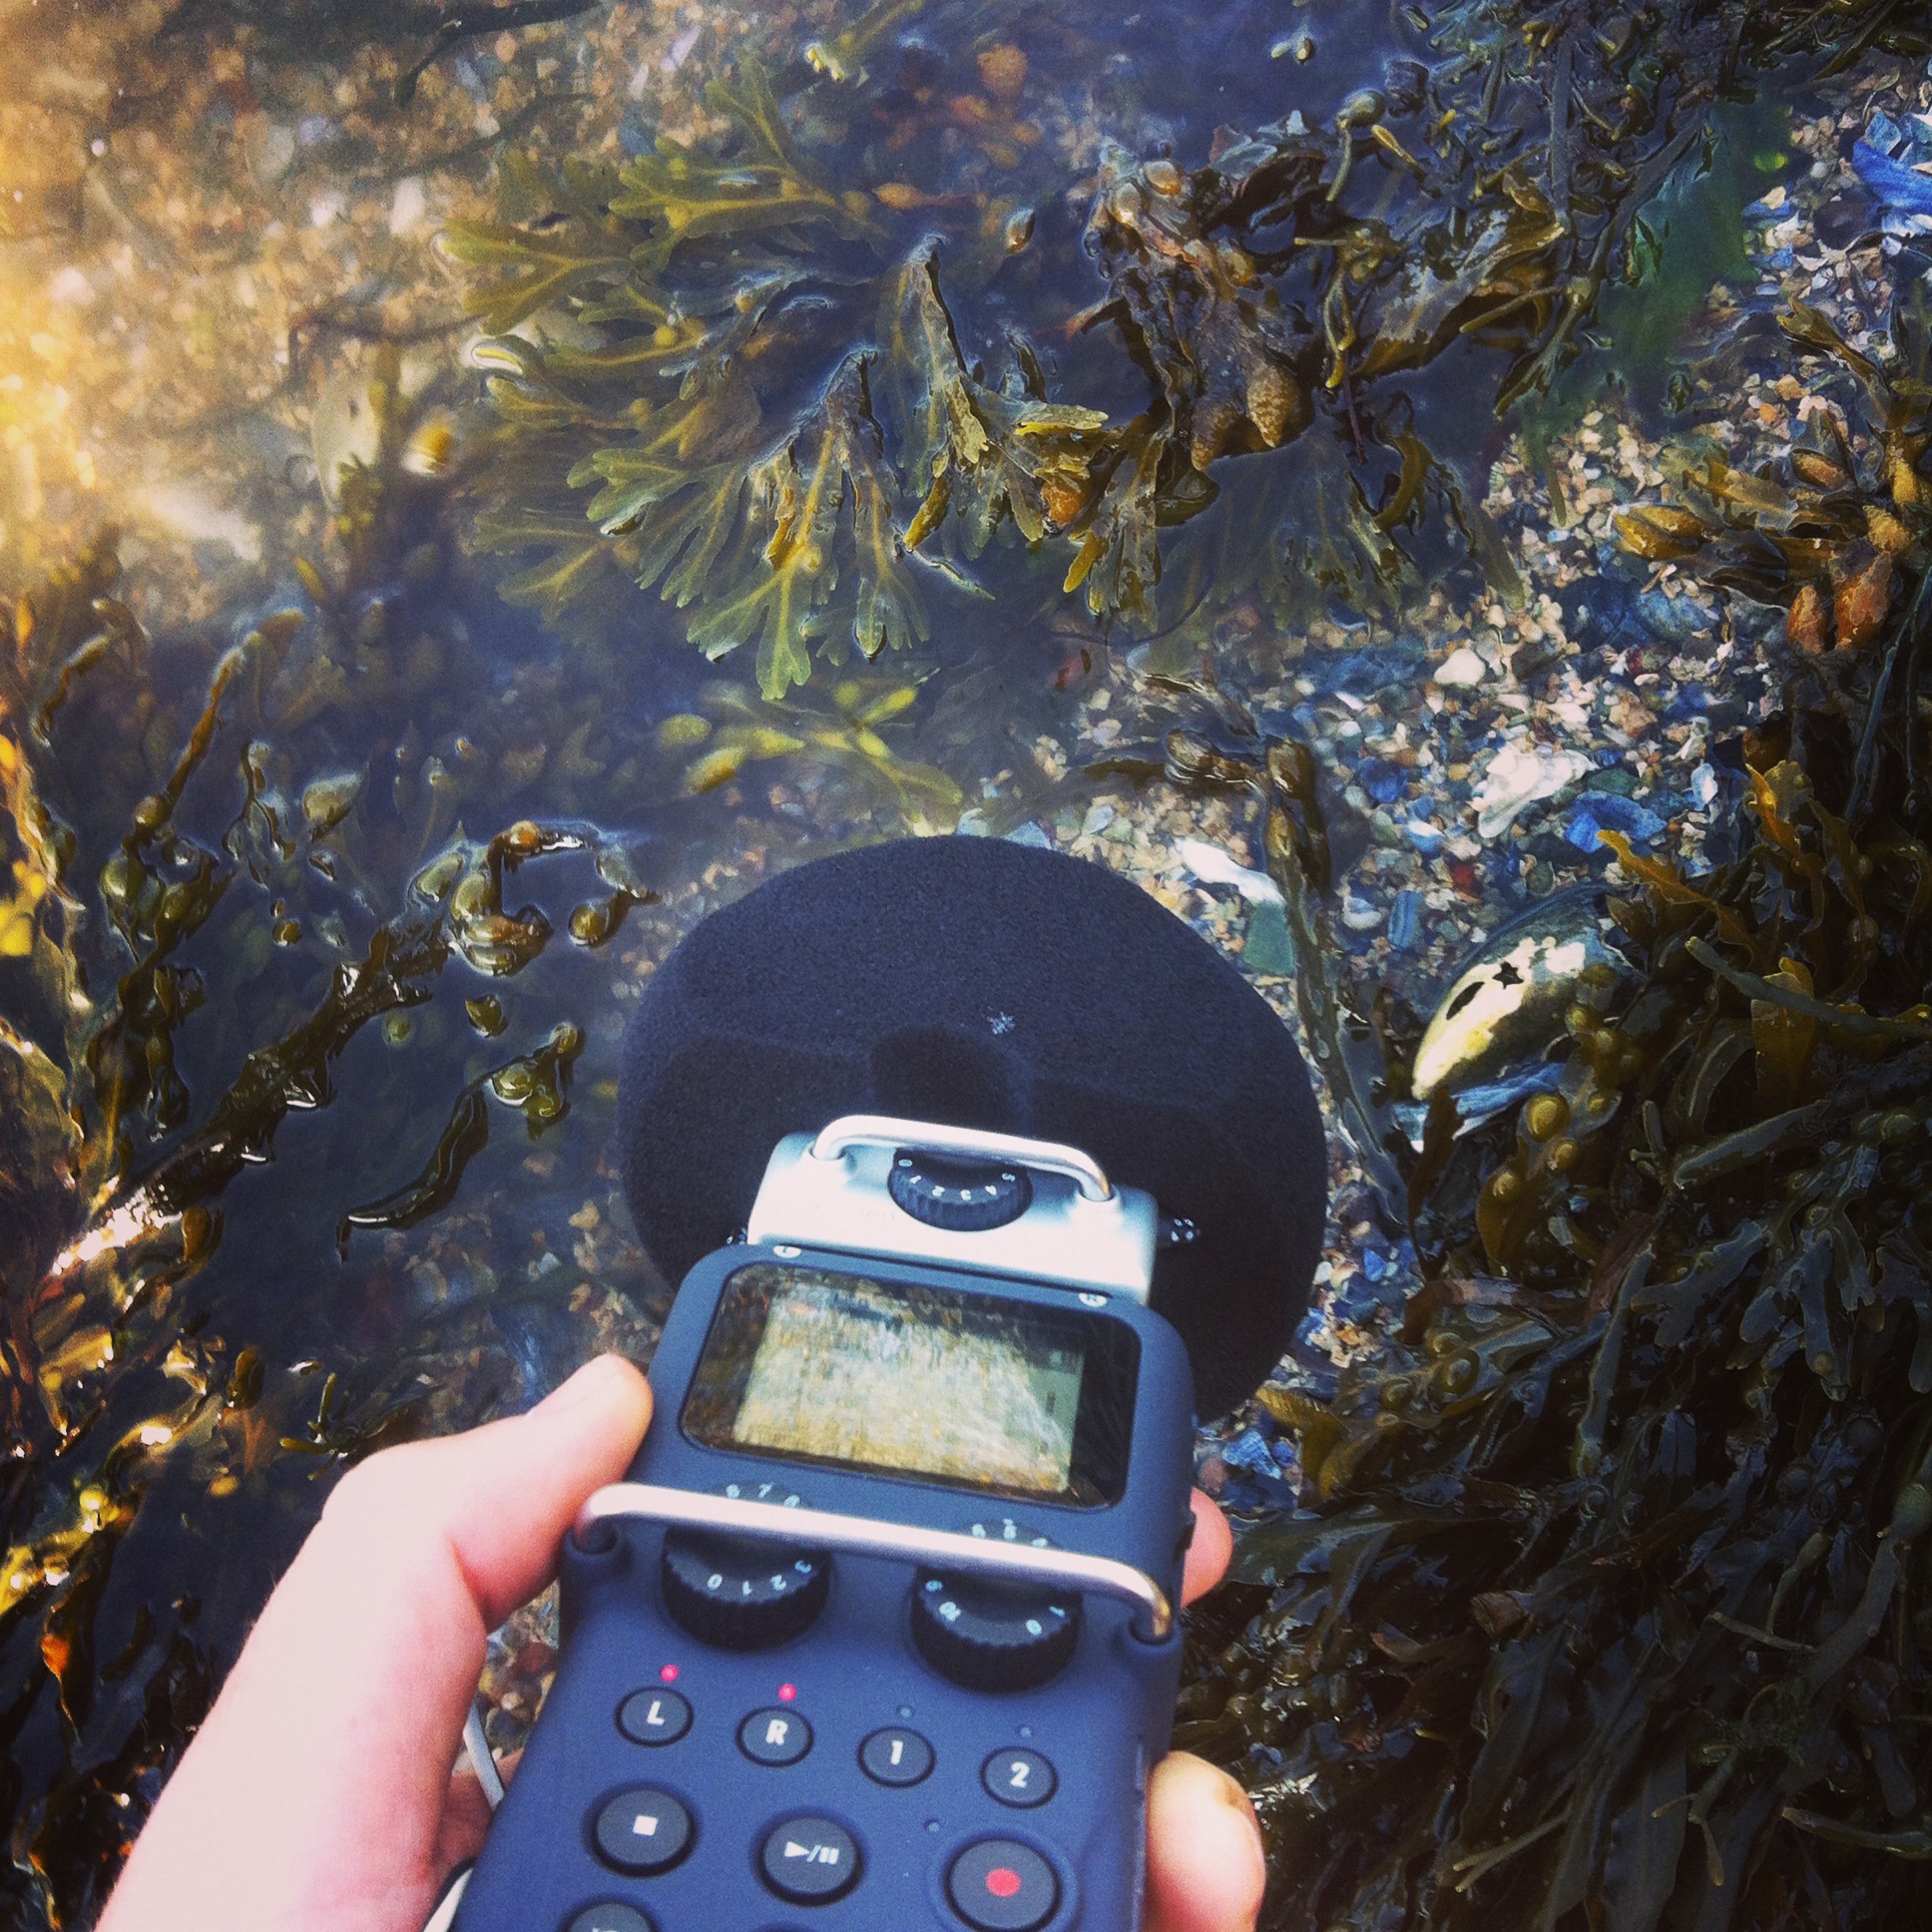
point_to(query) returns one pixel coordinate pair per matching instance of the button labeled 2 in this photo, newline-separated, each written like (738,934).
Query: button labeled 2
(1022,1778)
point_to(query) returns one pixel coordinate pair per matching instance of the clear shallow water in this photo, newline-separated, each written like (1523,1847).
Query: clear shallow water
(220,249)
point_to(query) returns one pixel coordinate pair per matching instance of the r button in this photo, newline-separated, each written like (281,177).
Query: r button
(999,1885)
(774,1736)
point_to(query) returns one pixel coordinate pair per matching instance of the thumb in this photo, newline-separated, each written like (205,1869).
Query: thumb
(323,1768)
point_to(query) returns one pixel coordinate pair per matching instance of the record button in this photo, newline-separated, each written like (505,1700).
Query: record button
(1001,1887)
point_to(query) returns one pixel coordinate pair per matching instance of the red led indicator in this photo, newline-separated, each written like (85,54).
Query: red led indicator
(669,1674)
(1002,1882)
(786,1692)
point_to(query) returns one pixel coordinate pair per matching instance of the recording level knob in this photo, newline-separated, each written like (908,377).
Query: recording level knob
(951,1193)
(992,1635)
(738,1593)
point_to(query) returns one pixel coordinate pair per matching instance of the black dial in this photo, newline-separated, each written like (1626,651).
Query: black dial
(950,1194)
(992,1635)
(740,1593)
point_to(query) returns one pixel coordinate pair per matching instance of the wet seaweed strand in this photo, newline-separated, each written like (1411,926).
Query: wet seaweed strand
(815,456)
(112,1175)
(1602,1608)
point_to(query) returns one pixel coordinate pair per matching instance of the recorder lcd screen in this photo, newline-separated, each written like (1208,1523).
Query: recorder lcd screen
(914,1380)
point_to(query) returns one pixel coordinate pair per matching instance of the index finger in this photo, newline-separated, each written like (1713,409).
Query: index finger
(1209,1553)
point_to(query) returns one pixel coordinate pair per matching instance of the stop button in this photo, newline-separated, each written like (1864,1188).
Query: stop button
(999,1885)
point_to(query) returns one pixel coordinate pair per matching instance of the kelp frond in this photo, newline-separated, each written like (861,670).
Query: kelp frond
(758,183)
(831,570)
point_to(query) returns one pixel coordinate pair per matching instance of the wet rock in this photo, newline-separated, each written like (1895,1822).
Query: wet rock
(1406,922)
(1843,218)
(1365,672)
(1599,811)
(1359,914)
(1268,948)
(1888,160)
(1530,659)
(1460,669)
(1677,619)
(1519,775)
(1212,866)
(1380,779)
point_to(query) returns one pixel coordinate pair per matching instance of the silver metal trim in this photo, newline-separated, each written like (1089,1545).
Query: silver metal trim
(865,1536)
(444,1916)
(964,1144)
(482,1760)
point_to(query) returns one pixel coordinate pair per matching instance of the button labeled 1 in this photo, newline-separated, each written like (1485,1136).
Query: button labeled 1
(895,1756)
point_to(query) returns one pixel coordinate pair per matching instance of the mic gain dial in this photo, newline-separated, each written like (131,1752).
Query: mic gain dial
(992,1635)
(739,1593)
(968,1199)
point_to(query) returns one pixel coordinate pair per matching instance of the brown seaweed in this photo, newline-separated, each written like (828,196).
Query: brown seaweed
(1283,289)
(1599,1606)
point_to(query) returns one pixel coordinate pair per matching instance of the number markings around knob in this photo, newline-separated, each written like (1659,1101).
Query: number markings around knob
(738,1593)
(990,1635)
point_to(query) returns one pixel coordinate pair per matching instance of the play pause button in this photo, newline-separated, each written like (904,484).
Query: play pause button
(808,1861)
(641,1830)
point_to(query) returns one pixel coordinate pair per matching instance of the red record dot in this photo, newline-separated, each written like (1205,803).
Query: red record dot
(668,1673)
(786,1692)
(1002,1882)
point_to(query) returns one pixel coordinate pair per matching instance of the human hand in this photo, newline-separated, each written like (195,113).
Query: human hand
(317,1796)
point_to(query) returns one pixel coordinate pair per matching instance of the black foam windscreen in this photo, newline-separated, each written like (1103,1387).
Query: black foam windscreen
(979,983)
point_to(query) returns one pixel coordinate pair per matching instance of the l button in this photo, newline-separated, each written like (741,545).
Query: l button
(654,1716)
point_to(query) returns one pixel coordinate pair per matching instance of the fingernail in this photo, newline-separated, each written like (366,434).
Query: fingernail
(1236,1798)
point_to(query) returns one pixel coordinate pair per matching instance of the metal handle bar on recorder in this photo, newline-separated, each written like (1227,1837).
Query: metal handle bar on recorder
(964,1144)
(864,1536)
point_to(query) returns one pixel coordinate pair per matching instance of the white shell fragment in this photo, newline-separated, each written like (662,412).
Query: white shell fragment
(1519,775)
(1211,866)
